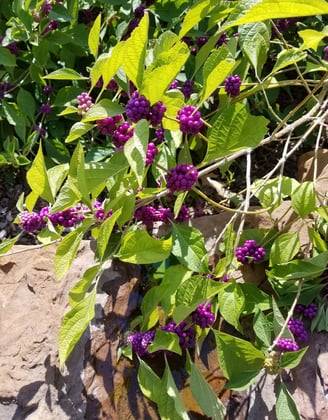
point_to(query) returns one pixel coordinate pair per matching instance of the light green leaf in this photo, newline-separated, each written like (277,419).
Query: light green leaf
(170,405)
(234,130)
(135,149)
(7,244)
(94,34)
(304,199)
(56,176)
(288,57)
(64,74)
(66,252)
(160,74)
(79,290)
(74,324)
(77,174)
(248,11)
(78,130)
(37,177)
(216,68)
(105,232)
(67,197)
(165,340)
(239,360)
(138,247)
(149,382)
(103,109)
(285,406)
(290,360)
(284,248)
(173,101)
(231,303)
(255,43)
(312,38)
(189,247)
(135,52)
(263,328)
(204,394)
(195,14)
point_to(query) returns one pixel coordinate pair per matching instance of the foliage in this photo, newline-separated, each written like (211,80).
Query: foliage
(70,69)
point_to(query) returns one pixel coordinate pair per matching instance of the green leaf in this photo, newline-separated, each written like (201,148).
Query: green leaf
(231,303)
(103,109)
(255,43)
(105,232)
(107,65)
(125,203)
(78,130)
(65,74)
(66,252)
(195,14)
(204,394)
(254,298)
(290,360)
(173,101)
(233,130)
(79,290)
(7,244)
(287,57)
(67,197)
(239,360)
(94,34)
(189,247)
(74,324)
(249,11)
(170,405)
(165,340)
(216,68)
(284,248)
(135,149)
(139,247)
(7,59)
(149,382)
(263,328)
(304,199)
(135,52)
(316,239)
(37,177)
(312,38)
(77,174)
(26,101)
(160,74)
(56,176)
(285,406)
(308,269)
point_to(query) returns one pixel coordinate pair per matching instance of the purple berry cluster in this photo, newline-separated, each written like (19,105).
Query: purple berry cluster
(31,221)
(181,178)
(203,316)
(137,108)
(141,341)
(286,345)
(45,109)
(98,208)
(190,120)
(149,214)
(250,252)
(187,88)
(156,114)
(123,133)
(308,311)
(53,25)
(84,102)
(108,125)
(296,327)
(46,7)
(67,218)
(186,334)
(232,85)
(184,214)
(151,153)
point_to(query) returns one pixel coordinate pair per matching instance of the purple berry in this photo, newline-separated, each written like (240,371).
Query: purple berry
(310,311)
(140,342)
(47,90)
(156,113)
(84,103)
(325,53)
(40,129)
(296,326)
(146,214)
(139,12)
(31,222)
(137,108)
(222,40)
(163,214)
(181,178)
(151,153)
(187,88)
(112,85)
(286,345)
(98,208)
(250,252)
(122,134)
(174,84)
(45,109)
(184,214)
(203,316)
(46,7)
(53,25)
(108,125)
(232,85)
(159,133)
(190,120)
